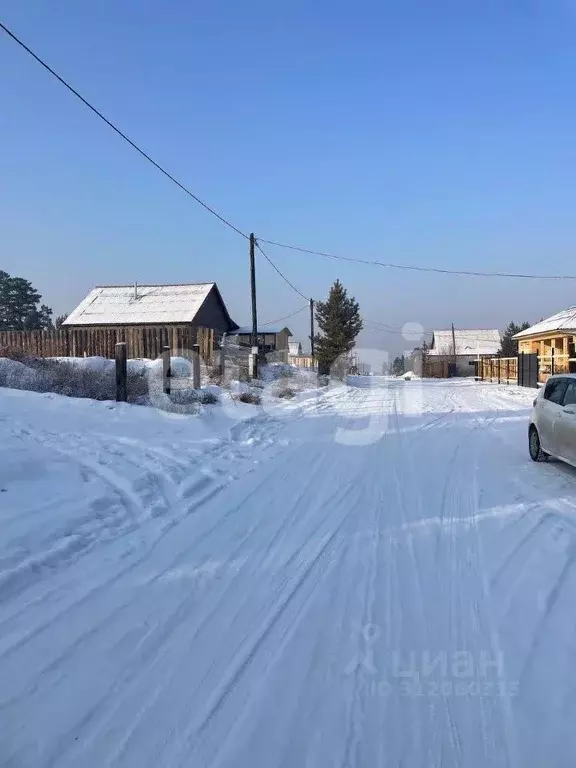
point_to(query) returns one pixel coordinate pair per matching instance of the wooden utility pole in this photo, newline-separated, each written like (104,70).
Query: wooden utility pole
(254,338)
(312,329)
(454,347)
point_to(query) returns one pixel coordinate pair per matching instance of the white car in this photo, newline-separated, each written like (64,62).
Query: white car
(552,429)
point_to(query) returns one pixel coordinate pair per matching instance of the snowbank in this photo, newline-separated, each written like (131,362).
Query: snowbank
(94,378)
(16,375)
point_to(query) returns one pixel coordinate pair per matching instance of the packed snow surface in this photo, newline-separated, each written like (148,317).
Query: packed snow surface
(373,576)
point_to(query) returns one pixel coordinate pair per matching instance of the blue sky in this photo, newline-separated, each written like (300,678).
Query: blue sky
(433,133)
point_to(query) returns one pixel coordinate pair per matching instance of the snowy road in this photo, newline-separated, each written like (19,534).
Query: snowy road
(375,577)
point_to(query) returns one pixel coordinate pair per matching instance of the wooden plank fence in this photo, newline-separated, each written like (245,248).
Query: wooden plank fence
(141,341)
(504,370)
(499,370)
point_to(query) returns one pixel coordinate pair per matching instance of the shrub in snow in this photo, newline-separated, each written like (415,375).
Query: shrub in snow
(92,378)
(239,387)
(285,393)
(96,364)
(95,378)
(248,397)
(12,353)
(214,389)
(73,380)
(208,398)
(16,375)
(184,397)
(214,373)
(273,371)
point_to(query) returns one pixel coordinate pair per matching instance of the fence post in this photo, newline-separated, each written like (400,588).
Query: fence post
(520,371)
(552,361)
(491,370)
(223,359)
(196,366)
(507,370)
(253,363)
(499,362)
(571,357)
(166,370)
(121,373)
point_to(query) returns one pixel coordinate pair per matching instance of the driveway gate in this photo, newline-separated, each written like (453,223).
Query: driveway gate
(528,370)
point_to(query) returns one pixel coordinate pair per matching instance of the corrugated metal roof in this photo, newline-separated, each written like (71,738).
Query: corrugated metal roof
(247,329)
(468,342)
(562,321)
(130,305)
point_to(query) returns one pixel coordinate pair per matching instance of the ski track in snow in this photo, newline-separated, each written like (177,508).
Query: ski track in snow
(375,576)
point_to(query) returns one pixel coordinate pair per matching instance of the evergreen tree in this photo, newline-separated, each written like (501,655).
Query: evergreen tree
(40,319)
(59,321)
(509,347)
(398,365)
(19,308)
(340,323)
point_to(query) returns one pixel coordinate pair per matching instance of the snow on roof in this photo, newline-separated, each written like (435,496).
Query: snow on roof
(562,321)
(262,329)
(133,305)
(471,342)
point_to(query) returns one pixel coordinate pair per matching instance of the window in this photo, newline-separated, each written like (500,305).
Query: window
(570,396)
(555,390)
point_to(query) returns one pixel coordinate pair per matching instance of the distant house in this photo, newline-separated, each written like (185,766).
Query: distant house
(270,339)
(554,336)
(294,348)
(470,345)
(188,304)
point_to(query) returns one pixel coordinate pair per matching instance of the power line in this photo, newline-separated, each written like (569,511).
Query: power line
(413,268)
(388,265)
(376,327)
(384,328)
(282,275)
(279,319)
(118,131)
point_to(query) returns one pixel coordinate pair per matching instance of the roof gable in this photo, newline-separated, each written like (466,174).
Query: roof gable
(561,321)
(142,304)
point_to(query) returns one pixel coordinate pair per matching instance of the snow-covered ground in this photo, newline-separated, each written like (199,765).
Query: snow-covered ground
(373,576)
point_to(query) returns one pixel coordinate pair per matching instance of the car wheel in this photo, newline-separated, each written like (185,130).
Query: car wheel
(536,452)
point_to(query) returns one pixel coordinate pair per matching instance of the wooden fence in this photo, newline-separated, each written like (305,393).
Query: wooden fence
(553,363)
(499,370)
(303,361)
(504,370)
(435,369)
(141,341)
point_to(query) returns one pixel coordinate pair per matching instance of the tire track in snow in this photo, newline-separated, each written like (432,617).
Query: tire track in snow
(217,607)
(153,646)
(98,627)
(186,505)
